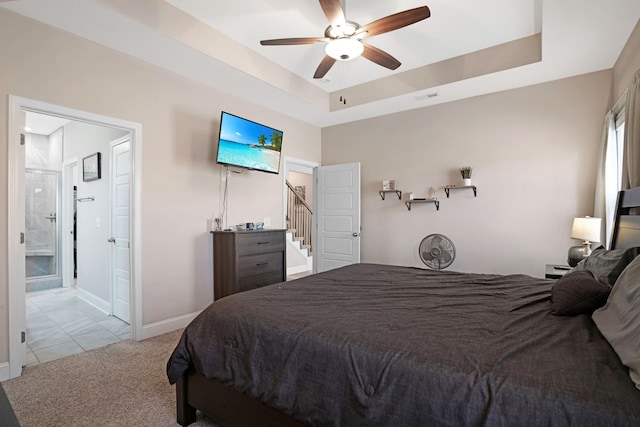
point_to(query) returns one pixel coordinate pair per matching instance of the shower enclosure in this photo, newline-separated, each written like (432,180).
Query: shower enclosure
(42,242)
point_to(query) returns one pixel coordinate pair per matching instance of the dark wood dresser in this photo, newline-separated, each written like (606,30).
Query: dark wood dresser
(244,260)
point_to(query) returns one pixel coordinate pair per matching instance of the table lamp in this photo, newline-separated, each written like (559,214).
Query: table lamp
(586,229)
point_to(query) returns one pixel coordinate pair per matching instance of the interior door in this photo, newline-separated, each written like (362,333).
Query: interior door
(120,212)
(337,217)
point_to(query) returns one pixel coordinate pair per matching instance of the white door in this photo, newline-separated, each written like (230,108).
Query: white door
(337,216)
(120,212)
(16,236)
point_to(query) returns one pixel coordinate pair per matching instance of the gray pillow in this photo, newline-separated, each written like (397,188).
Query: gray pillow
(619,319)
(578,292)
(607,264)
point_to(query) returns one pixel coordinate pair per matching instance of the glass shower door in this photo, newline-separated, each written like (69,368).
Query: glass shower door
(42,226)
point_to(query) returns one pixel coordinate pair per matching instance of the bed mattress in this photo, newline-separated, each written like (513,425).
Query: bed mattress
(380,345)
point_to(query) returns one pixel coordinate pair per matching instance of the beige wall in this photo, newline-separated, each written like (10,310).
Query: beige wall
(628,63)
(533,152)
(180,179)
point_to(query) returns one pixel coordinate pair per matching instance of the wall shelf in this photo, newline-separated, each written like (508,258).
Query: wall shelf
(410,202)
(459,187)
(383,192)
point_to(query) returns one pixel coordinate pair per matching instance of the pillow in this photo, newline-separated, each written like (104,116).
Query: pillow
(578,292)
(608,264)
(619,319)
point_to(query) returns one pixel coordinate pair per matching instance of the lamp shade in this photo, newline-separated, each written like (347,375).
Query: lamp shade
(344,49)
(586,228)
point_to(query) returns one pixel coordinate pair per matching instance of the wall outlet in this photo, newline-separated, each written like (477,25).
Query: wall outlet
(267,221)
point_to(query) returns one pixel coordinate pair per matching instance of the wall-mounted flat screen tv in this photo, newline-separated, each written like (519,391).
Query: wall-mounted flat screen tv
(247,144)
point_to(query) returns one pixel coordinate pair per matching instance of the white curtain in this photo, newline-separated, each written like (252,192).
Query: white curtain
(631,156)
(607,179)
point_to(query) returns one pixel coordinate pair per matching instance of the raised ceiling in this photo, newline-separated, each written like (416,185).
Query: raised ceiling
(466,48)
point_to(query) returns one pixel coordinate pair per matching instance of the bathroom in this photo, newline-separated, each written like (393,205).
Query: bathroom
(67,233)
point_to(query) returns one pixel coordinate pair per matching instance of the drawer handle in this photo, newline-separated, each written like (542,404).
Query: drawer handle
(263,243)
(260,264)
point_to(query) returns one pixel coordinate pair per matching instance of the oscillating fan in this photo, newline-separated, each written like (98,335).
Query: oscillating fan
(437,251)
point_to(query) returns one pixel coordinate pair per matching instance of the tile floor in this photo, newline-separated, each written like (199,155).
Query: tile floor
(59,324)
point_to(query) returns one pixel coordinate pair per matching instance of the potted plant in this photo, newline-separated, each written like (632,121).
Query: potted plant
(466,174)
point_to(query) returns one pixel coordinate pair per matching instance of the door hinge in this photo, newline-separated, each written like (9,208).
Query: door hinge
(21,238)
(23,337)
(22,139)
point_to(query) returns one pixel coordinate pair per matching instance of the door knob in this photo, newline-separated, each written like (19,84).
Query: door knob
(112,240)
(356,234)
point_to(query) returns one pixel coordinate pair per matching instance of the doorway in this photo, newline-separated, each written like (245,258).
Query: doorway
(76,320)
(298,212)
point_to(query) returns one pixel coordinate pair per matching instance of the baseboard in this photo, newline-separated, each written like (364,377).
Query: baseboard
(5,372)
(168,325)
(95,301)
(298,269)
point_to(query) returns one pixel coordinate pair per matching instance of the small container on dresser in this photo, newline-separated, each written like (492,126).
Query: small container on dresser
(244,260)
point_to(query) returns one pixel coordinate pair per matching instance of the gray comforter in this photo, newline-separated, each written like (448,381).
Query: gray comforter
(376,345)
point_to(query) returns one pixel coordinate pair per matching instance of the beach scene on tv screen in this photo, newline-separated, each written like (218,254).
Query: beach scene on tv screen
(248,144)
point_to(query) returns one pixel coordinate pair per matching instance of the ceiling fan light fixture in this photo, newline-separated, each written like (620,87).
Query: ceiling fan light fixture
(344,49)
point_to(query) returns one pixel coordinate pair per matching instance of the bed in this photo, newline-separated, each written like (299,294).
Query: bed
(380,345)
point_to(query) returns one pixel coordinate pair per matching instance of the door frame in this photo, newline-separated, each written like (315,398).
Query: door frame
(15,250)
(291,164)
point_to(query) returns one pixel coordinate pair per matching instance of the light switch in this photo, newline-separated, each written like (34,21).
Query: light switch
(98,222)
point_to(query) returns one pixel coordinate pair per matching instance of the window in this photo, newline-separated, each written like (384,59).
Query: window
(613,166)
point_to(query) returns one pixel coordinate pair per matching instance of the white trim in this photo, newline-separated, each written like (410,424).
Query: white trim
(291,164)
(168,325)
(297,269)
(94,300)
(15,275)
(4,371)
(15,250)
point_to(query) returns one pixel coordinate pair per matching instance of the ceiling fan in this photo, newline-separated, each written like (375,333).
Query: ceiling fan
(344,38)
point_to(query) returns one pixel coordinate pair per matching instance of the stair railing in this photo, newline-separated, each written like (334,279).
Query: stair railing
(299,215)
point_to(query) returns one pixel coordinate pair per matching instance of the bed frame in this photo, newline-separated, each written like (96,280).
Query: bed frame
(228,407)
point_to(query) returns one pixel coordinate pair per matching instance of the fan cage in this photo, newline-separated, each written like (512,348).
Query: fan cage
(437,256)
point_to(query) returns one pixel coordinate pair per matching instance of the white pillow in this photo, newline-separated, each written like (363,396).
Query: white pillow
(619,319)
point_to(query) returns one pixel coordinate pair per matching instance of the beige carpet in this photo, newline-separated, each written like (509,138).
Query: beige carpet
(123,384)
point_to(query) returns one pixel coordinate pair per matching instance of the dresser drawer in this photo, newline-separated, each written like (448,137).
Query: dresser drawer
(254,282)
(251,265)
(260,242)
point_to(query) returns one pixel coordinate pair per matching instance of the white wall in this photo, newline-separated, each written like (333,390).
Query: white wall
(533,153)
(92,227)
(180,179)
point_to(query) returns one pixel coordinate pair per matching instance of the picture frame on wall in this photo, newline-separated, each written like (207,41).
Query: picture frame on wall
(91,167)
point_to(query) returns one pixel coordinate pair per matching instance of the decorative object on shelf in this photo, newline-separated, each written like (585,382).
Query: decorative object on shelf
(408,203)
(437,251)
(91,168)
(586,229)
(389,185)
(465,171)
(455,187)
(433,193)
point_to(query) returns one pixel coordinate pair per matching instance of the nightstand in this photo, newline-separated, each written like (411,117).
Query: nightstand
(555,271)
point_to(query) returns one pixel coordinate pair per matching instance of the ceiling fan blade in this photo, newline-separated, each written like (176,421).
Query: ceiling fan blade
(325,65)
(293,41)
(380,57)
(333,11)
(395,21)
